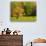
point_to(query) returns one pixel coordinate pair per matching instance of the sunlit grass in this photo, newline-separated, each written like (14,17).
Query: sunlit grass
(24,19)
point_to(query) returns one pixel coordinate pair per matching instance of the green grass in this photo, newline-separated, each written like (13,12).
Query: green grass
(23,19)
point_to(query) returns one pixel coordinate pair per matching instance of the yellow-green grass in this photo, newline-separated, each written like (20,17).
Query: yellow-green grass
(23,19)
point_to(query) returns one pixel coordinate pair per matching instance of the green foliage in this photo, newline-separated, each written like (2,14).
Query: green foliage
(30,14)
(29,6)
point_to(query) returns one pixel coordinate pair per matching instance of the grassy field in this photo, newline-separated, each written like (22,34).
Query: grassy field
(23,19)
